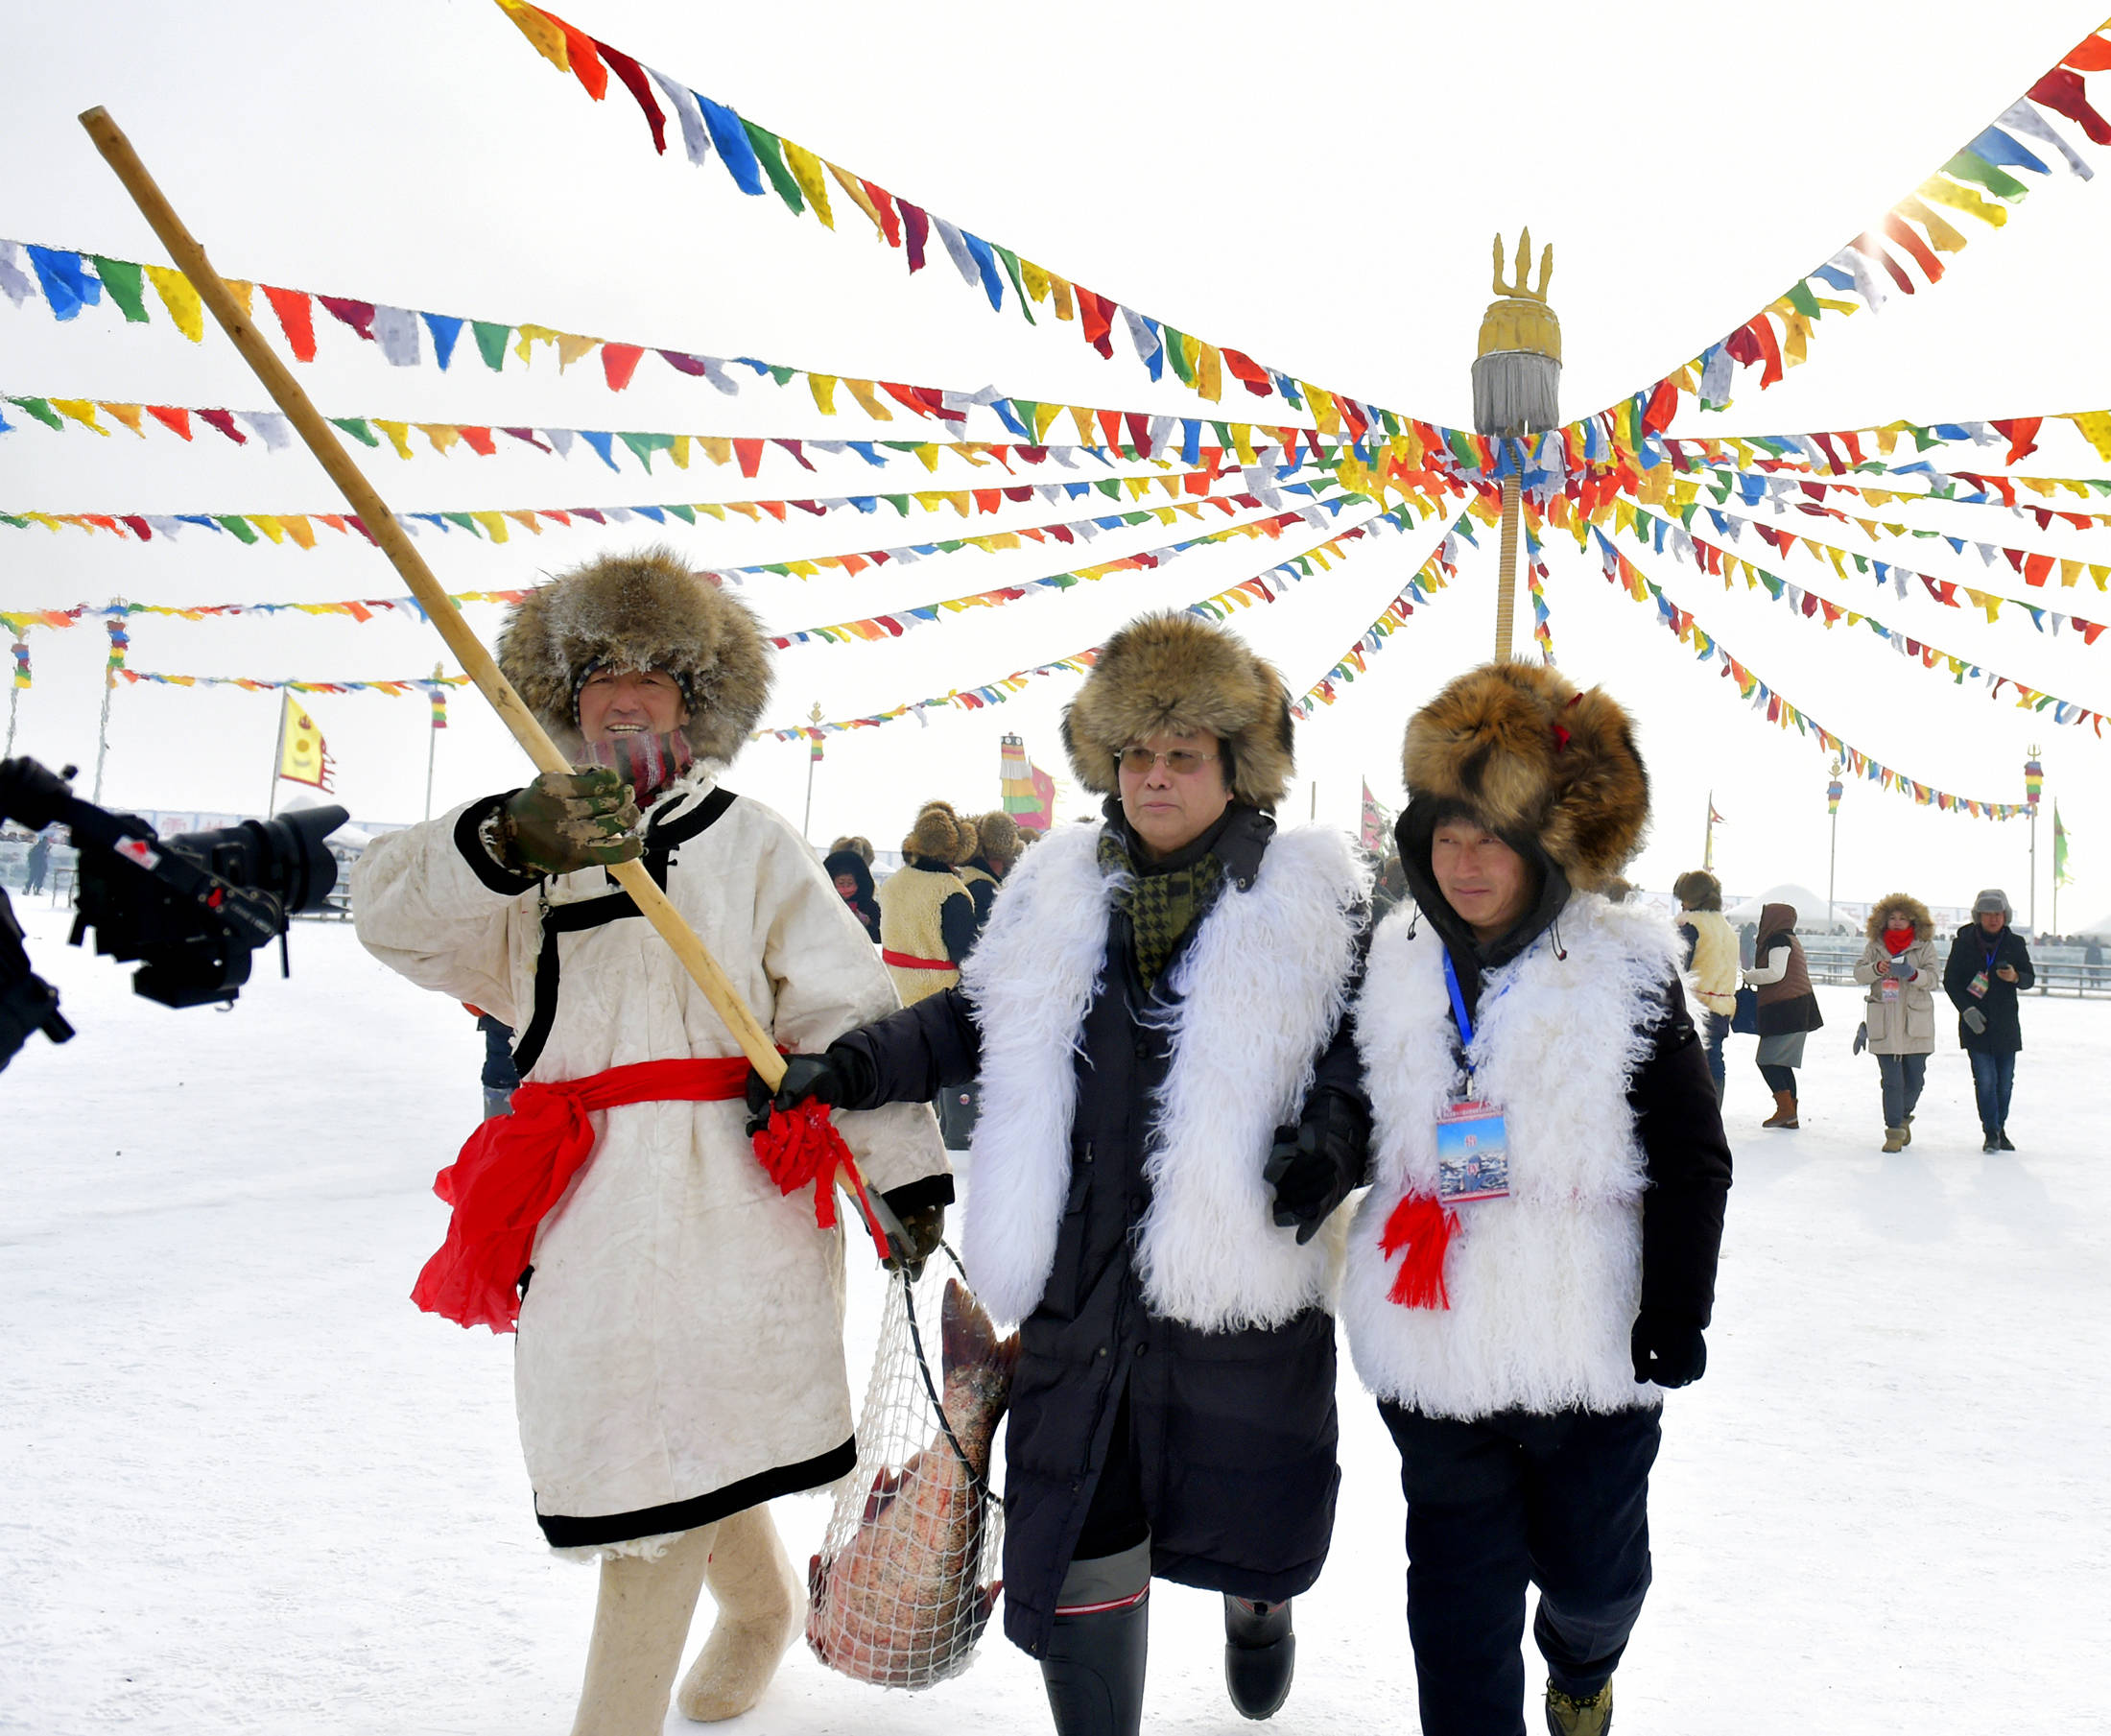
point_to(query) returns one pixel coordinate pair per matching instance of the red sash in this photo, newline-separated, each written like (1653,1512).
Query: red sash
(514,1168)
(904,961)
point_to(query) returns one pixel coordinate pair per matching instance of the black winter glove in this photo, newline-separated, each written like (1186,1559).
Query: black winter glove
(1667,1349)
(1316,1165)
(560,824)
(923,1229)
(1975,1019)
(838,1077)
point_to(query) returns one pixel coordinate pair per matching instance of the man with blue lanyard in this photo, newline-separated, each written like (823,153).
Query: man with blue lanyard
(1989,967)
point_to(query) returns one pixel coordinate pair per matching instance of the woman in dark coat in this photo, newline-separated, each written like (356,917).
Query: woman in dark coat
(1989,966)
(1788,1008)
(850,867)
(1154,997)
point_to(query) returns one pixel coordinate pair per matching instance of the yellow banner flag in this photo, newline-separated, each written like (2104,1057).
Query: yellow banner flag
(302,758)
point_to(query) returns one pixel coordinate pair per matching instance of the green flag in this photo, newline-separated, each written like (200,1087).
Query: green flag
(2060,876)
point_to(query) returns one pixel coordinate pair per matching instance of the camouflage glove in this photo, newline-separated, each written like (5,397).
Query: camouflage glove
(923,1226)
(562,823)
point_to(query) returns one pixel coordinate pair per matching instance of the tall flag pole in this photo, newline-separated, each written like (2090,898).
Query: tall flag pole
(113,622)
(813,759)
(2033,786)
(2060,876)
(1708,851)
(1029,792)
(15,690)
(1516,384)
(1832,793)
(432,739)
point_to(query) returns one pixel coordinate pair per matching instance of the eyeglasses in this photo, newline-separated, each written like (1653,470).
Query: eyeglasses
(1181,762)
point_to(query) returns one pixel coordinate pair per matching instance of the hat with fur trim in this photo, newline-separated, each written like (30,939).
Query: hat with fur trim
(997,836)
(1531,757)
(1901,904)
(641,610)
(940,835)
(1173,673)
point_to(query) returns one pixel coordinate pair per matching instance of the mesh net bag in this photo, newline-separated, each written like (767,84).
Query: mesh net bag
(908,1572)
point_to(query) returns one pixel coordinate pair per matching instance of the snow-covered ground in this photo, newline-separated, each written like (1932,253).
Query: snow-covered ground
(248,1488)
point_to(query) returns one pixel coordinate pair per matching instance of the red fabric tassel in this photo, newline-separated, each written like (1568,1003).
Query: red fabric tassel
(1424,1230)
(805,1146)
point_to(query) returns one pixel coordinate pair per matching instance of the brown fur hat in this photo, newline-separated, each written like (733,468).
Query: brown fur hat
(642,610)
(941,834)
(998,836)
(1924,924)
(858,846)
(1530,756)
(1697,890)
(1177,672)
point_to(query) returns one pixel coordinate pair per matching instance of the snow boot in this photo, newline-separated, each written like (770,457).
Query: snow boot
(1260,1655)
(1094,1670)
(1894,1139)
(2001,1141)
(1905,1134)
(1785,1111)
(1569,1716)
(640,1622)
(762,1607)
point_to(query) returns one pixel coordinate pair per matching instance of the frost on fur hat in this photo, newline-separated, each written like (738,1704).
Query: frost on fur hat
(643,610)
(941,834)
(1174,673)
(1520,749)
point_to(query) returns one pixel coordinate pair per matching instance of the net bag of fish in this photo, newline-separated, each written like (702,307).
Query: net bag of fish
(908,1572)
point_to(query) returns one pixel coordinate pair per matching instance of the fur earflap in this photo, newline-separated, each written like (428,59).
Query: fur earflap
(1519,746)
(642,610)
(1175,672)
(997,834)
(1880,914)
(941,834)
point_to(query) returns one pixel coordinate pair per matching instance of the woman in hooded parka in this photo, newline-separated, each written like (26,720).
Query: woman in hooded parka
(1535,1259)
(679,1358)
(1156,995)
(1900,965)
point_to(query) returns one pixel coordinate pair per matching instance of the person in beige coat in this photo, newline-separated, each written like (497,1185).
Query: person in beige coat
(1899,965)
(1711,962)
(679,1359)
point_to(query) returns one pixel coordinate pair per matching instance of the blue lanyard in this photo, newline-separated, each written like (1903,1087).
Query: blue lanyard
(1459,1006)
(1993,952)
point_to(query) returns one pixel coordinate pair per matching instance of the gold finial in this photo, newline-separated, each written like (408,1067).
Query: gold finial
(1522,320)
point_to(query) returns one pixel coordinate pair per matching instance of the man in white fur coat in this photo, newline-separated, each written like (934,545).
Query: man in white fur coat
(1535,1259)
(1169,1115)
(679,1360)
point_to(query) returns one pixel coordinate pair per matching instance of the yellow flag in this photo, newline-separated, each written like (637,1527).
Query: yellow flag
(181,300)
(806,170)
(548,38)
(302,758)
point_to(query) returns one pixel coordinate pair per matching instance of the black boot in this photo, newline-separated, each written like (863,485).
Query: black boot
(1260,1655)
(1094,1671)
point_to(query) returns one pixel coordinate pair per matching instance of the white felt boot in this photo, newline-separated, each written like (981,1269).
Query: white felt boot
(762,1607)
(641,1624)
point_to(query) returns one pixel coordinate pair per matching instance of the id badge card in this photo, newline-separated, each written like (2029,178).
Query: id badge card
(1977,987)
(1473,1154)
(1891,988)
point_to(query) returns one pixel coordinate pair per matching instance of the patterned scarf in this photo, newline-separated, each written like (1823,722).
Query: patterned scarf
(1160,907)
(647,763)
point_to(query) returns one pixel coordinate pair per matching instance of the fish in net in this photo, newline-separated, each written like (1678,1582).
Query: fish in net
(908,1572)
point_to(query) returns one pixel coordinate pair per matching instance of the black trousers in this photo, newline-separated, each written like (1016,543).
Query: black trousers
(1508,1501)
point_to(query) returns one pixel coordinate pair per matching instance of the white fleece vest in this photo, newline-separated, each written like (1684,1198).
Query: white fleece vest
(1544,1284)
(1261,989)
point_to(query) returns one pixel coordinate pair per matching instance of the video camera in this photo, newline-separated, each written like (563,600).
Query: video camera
(191,908)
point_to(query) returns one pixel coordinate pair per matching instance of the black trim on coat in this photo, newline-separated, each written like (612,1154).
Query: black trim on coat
(660,843)
(566,1530)
(467,824)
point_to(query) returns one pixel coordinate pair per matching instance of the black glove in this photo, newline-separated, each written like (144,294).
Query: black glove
(1975,1019)
(1316,1165)
(838,1077)
(923,1229)
(1667,1349)
(562,823)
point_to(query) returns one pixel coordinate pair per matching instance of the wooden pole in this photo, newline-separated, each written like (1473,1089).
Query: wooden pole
(410,565)
(1506,591)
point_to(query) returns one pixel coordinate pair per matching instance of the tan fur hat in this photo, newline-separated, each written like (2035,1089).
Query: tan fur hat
(855,844)
(1175,672)
(998,836)
(642,610)
(1880,915)
(1530,756)
(941,834)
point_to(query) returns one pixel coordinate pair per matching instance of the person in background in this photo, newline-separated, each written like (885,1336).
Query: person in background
(39,858)
(1899,965)
(501,1078)
(1390,890)
(1788,1008)
(998,846)
(1989,966)
(848,864)
(1711,960)
(927,920)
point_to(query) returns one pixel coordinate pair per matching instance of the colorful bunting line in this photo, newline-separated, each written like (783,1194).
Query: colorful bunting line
(363,608)
(1807,495)
(1840,451)
(1809,606)
(1975,182)
(1437,570)
(761,161)
(1780,711)
(394,690)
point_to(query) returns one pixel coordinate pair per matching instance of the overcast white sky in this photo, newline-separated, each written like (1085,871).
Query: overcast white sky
(1321,196)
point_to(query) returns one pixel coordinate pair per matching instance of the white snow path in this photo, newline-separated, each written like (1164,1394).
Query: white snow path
(248,1488)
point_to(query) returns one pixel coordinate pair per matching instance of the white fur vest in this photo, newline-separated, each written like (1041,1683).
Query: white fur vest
(1258,992)
(1543,1285)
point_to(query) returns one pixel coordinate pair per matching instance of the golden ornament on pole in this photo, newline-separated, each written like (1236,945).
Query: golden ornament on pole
(1516,390)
